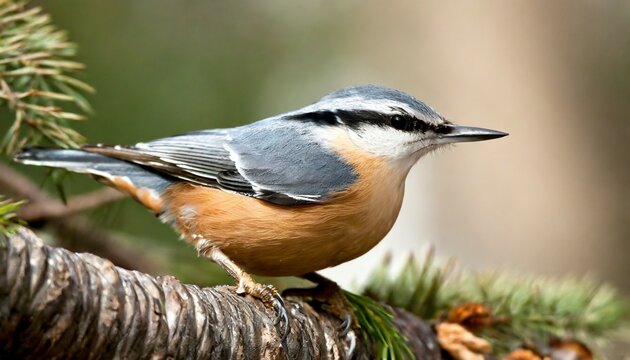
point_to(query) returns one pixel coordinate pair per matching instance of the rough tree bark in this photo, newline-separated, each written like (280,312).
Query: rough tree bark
(58,304)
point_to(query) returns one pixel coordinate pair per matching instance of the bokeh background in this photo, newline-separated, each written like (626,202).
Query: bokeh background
(553,198)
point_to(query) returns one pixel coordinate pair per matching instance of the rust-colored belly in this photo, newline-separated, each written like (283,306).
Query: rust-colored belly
(267,239)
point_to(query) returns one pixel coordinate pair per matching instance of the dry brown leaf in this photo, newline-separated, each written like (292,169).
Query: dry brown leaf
(472,316)
(461,343)
(572,346)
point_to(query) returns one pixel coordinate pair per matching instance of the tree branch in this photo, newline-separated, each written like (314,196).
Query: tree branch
(59,304)
(77,233)
(18,185)
(43,207)
(55,209)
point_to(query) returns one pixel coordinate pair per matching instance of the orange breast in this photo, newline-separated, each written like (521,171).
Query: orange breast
(268,239)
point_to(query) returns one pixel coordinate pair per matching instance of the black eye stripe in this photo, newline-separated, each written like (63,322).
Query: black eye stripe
(442,129)
(355,118)
(322,117)
(409,123)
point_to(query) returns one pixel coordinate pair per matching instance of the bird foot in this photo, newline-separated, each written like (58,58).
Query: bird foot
(246,285)
(271,298)
(333,300)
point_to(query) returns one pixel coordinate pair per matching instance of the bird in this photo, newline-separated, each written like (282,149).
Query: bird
(283,196)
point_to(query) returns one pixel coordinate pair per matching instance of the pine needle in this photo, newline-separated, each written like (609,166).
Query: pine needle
(38,81)
(377,328)
(9,222)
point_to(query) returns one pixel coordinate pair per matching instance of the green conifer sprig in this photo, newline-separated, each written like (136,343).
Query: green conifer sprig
(525,309)
(376,322)
(38,81)
(9,222)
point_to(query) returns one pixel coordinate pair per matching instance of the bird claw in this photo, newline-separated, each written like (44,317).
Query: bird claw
(346,325)
(282,316)
(278,305)
(333,300)
(346,333)
(272,299)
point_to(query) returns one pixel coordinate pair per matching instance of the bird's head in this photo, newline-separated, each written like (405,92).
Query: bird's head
(389,123)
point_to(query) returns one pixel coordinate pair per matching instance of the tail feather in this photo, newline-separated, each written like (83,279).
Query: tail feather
(143,184)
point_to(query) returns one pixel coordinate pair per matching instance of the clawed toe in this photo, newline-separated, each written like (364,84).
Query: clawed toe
(282,316)
(346,333)
(270,297)
(345,325)
(246,285)
(278,305)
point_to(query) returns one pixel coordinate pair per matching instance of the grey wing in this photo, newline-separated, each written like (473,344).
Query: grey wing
(198,157)
(269,160)
(285,163)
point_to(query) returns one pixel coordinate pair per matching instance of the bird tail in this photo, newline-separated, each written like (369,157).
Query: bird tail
(144,185)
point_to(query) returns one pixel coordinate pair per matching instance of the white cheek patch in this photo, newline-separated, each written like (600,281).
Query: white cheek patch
(386,141)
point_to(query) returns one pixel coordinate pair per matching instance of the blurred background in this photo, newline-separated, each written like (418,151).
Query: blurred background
(553,198)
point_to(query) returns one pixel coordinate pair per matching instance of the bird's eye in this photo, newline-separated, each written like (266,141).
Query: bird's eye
(399,122)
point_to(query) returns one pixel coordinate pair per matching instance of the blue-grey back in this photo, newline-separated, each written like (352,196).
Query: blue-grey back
(277,159)
(283,156)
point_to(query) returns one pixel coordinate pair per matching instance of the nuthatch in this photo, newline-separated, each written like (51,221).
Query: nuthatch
(284,196)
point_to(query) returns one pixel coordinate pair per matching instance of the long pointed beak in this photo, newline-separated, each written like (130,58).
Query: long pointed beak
(468,133)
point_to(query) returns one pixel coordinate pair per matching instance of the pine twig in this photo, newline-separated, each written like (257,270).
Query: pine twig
(37,79)
(9,221)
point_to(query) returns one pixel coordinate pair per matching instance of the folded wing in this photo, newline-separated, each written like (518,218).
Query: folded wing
(273,160)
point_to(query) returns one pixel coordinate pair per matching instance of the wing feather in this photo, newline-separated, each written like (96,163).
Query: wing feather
(273,160)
